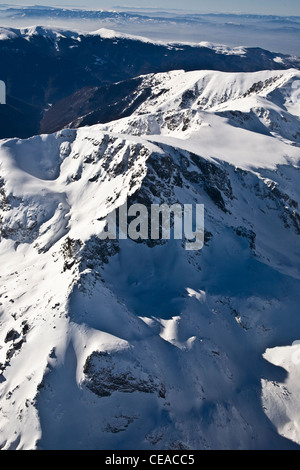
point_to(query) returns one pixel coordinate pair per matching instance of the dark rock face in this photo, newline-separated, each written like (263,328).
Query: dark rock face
(70,251)
(12,335)
(164,173)
(107,373)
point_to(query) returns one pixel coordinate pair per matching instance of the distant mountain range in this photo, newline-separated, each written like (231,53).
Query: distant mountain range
(132,13)
(271,32)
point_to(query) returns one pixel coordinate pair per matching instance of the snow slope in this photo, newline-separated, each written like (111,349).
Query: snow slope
(265,103)
(125,345)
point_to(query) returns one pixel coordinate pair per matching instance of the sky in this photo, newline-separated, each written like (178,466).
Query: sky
(270,7)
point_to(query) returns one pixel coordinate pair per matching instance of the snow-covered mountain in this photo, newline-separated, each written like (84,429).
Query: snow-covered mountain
(60,64)
(172,105)
(143,345)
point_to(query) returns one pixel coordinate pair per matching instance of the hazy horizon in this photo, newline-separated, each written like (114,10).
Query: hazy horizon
(271,7)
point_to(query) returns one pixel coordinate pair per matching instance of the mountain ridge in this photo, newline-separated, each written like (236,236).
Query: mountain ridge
(54,67)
